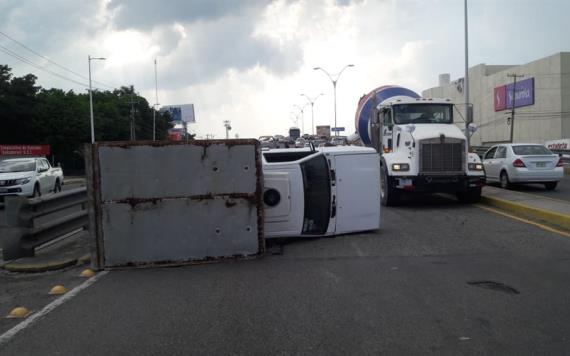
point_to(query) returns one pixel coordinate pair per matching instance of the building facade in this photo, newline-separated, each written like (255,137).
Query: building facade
(541,100)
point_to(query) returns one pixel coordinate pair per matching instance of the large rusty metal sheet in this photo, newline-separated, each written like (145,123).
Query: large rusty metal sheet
(174,203)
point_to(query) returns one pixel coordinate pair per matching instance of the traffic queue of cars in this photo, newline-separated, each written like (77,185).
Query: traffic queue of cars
(279,141)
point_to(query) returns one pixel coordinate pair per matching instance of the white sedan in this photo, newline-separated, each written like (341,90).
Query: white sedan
(522,163)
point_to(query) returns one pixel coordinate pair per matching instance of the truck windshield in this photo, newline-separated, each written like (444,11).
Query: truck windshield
(316,182)
(423,114)
(17,166)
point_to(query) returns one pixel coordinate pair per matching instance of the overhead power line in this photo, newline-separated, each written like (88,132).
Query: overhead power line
(29,62)
(48,60)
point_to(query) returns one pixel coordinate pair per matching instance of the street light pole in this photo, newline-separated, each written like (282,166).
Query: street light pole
(89,58)
(228,126)
(301,110)
(312,102)
(334,81)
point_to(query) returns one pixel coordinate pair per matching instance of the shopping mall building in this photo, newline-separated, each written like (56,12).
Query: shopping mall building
(541,100)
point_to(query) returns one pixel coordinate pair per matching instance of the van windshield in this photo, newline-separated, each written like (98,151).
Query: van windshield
(316,181)
(423,114)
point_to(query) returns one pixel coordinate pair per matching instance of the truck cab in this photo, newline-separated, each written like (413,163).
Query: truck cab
(423,150)
(321,192)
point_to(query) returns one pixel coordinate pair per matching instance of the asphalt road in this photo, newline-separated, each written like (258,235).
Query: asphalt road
(562,191)
(438,278)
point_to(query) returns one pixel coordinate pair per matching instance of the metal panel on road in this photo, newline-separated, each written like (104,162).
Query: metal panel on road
(173,203)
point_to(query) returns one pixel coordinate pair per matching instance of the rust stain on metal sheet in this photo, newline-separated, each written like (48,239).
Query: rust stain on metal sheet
(193,261)
(133,202)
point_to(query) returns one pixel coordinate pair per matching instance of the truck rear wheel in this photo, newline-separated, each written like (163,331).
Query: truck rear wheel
(389,196)
(469,196)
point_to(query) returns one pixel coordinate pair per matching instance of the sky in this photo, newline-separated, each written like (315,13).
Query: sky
(249,61)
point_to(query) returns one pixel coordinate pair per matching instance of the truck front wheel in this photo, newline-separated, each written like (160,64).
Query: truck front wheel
(470,195)
(389,196)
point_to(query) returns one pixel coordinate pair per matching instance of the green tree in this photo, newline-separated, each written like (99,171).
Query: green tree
(32,115)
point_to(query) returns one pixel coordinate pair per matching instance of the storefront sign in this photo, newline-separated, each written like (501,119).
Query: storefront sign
(523,95)
(563,144)
(25,150)
(500,95)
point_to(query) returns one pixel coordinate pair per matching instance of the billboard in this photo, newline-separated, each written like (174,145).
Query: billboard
(500,96)
(523,95)
(324,131)
(25,150)
(180,113)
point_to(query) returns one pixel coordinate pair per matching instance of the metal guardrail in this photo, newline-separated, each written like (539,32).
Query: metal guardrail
(23,232)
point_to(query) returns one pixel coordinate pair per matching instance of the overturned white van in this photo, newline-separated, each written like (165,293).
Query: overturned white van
(321,192)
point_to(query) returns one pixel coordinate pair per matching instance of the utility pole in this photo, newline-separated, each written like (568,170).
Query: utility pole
(133,132)
(468,111)
(155,104)
(514,76)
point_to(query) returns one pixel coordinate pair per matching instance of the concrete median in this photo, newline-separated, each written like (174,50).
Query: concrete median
(551,212)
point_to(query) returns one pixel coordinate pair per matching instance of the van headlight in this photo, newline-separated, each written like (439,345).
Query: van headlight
(475,166)
(400,167)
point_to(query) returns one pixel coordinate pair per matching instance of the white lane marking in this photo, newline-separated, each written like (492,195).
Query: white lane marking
(4,338)
(358,250)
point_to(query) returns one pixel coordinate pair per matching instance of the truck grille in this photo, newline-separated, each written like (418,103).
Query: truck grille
(442,155)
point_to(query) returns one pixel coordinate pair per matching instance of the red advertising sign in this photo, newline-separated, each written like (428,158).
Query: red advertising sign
(25,150)
(175,136)
(500,98)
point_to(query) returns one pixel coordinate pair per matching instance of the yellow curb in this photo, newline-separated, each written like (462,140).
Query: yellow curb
(58,290)
(548,217)
(526,221)
(85,259)
(87,273)
(19,312)
(39,267)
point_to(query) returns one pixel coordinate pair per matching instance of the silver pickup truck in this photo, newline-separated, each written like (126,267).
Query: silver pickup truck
(29,177)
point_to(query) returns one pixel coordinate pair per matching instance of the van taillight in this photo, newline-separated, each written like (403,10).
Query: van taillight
(518,163)
(559,164)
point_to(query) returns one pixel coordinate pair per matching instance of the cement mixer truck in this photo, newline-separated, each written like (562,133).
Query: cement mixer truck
(421,149)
